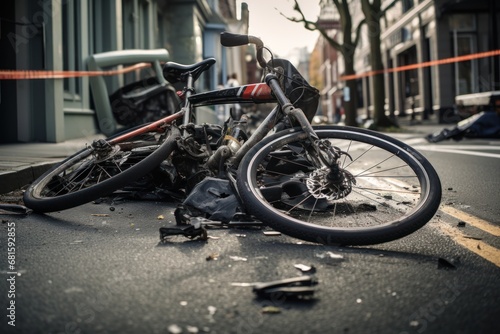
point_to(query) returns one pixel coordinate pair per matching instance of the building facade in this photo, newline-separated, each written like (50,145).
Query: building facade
(424,32)
(63,34)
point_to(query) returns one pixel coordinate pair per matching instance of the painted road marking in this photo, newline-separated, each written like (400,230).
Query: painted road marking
(478,247)
(470,219)
(474,150)
(444,149)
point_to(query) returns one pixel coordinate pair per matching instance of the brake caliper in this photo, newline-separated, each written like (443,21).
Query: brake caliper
(331,181)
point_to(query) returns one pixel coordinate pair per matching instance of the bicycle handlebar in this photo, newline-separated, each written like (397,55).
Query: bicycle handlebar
(229,39)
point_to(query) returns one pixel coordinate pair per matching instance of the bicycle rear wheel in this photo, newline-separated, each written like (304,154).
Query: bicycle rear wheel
(388,190)
(98,170)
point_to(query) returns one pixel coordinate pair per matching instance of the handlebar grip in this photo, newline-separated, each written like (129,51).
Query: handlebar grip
(229,39)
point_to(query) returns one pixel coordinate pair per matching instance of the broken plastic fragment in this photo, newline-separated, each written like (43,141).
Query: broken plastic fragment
(271,309)
(305,268)
(214,256)
(414,323)
(287,292)
(295,287)
(192,329)
(174,329)
(160,217)
(211,312)
(329,255)
(272,233)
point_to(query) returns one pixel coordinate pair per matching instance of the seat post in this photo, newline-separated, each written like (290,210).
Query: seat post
(189,92)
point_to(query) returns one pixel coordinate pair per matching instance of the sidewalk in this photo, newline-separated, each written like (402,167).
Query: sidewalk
(22,163)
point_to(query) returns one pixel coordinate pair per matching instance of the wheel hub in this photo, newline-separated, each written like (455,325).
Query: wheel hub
(320,184)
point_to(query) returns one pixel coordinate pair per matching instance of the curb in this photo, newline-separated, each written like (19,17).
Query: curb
(20,177)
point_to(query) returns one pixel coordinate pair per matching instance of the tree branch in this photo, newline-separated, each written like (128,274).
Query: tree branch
(313,26)
(358,31)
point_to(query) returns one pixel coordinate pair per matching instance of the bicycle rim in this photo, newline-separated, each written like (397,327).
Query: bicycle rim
(389,189)
(97,171)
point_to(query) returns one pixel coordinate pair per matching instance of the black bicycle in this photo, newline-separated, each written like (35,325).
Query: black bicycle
(328,184)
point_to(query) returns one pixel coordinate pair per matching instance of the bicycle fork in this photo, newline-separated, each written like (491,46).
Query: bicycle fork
(324,154)
(329,180)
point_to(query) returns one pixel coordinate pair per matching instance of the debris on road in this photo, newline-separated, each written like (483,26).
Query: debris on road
(272,233)
(212,257)
(100,215)
(329,255)
(191,231)
(305,268)
(271,309)
(445,264)
(211,313)
(295,287)
(238,258)
(174,329)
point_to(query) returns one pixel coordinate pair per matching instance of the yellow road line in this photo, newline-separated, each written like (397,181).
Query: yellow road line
(470,219)
(476,246)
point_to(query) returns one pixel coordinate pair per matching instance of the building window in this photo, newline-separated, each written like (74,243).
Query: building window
(130,20)
(465,71)
(410,78)
(145,31)
(463,29)
(71,34)
(462,22)
(407,5)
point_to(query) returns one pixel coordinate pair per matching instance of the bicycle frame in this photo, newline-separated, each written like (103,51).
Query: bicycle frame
(251,93)
(267,92)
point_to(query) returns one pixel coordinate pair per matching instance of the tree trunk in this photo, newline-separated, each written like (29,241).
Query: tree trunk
(350,106)
(373,14)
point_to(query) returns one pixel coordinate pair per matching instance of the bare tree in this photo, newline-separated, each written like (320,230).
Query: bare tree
(346,48)
(373,13)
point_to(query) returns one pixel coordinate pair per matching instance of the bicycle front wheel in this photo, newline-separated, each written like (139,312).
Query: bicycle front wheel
(98,170)
(382,189)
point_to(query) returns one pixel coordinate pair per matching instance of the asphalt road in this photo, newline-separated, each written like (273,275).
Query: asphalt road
(470,174)
(95,270)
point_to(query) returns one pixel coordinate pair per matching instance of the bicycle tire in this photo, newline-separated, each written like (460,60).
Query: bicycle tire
(394,189)
(93,176)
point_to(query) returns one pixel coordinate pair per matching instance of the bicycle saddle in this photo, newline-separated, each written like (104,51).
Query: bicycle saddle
(175,72)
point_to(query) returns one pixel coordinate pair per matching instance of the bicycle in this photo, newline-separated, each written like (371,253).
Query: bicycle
(325,184)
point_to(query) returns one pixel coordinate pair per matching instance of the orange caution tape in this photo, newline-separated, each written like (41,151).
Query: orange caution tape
(424,64)
(18,75)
